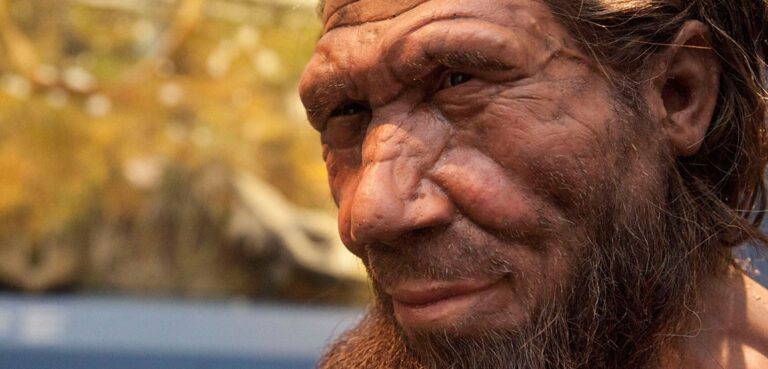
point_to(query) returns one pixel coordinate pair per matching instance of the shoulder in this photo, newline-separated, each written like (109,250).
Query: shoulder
(754,333)
(733,331)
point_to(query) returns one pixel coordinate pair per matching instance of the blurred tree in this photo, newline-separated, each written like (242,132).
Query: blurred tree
(126,129)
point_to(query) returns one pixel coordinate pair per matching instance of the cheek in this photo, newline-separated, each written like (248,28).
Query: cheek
(562,151)
(572,170)
(343,167)
(484,191)
(530,155)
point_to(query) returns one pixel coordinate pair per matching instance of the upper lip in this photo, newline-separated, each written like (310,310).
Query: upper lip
(428,292)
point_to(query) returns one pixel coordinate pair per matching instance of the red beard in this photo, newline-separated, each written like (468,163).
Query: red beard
(633,287)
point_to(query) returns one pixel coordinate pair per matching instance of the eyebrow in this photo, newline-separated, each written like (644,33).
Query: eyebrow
(333,85)
(474,59)
(322,92)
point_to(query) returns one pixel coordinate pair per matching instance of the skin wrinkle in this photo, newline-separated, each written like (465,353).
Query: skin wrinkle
(428,21)
(320,92)
(322,98)
(423,268)
(404,157)
(332,23)
(547,63)
(501,115)
(437,36)
(437,40)
(473,181)
(407,137)
(538,182)
(330,8)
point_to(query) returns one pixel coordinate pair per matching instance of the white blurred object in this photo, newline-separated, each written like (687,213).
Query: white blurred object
(268,63)
(309,237)
(218,62)
(170,94)
(144,32)
(98,105)
(247,37)
(79,79)
(16,86)
(41,326)
(144,173)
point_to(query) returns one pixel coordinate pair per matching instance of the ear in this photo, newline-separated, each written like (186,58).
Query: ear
(686,87)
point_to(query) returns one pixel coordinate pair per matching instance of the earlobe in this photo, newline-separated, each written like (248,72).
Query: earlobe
(688,88)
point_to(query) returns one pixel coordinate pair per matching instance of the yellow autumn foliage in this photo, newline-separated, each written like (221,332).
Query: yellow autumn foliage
(101,102)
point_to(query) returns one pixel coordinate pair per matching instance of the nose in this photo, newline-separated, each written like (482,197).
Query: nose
(386,207)
(394,198)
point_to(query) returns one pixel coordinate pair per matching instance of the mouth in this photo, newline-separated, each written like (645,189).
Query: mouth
(438,304)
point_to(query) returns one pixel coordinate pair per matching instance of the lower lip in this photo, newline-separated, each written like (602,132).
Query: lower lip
(445,313)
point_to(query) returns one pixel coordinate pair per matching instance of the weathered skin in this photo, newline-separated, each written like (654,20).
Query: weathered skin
(480,122)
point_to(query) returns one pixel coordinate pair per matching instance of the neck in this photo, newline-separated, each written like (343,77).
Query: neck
(731,326)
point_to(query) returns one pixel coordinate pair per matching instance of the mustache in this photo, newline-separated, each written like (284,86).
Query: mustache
(448,263)
(460,251)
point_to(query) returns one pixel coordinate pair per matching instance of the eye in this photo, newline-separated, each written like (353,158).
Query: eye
(349,110)
(454,79)
(346,126)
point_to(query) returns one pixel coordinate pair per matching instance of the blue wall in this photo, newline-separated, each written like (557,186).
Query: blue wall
(85,333)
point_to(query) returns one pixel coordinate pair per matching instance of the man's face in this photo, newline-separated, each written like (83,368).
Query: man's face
(471,149)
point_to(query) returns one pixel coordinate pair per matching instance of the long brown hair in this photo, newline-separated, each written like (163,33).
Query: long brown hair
(727,175)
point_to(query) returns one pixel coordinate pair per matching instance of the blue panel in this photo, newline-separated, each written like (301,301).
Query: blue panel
(108,333)
(51,359)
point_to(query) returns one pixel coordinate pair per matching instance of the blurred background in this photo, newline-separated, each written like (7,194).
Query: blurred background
(163,203)
(156,166)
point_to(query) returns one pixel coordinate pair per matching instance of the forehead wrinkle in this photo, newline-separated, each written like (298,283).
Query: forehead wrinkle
(448,56)
(508,51)
(416,20)
(334,82)
(392,53)
(339,18)
(333,10)
(529,21)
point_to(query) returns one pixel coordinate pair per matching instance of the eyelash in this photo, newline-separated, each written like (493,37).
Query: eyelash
(350,109)
(448,79)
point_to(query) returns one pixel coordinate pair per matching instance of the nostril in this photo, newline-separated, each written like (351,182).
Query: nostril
(418,196)
(404,240)
(403,219)
(427,231)
(416,219)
